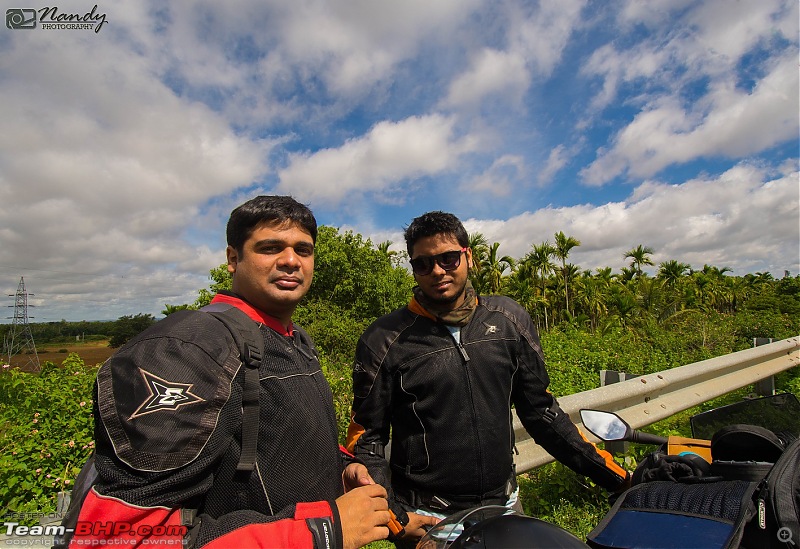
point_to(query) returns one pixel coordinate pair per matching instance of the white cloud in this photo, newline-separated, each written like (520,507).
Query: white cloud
(704,50)
(745,219)
(726,122)
(542,35)
(506,174)
(390,153)
(534,43)
(653,13)
(491,72)
(102,172)
(618,67)
(558,158)
(724,35)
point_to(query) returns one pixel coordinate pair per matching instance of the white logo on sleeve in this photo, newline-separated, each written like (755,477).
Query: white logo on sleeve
(164,395)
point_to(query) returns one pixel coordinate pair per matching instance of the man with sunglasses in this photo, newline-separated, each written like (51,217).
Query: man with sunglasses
(440,375)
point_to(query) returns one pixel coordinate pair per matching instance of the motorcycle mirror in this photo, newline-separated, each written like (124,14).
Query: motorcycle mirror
(605,425)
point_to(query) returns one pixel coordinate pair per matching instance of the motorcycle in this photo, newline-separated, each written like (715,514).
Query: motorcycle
(684,463)
(734,484)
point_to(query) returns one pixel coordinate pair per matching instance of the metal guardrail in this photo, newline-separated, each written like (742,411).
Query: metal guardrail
(649,398)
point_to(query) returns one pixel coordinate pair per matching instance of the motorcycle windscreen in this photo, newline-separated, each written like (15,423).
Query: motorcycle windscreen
(778,413)
(653,530)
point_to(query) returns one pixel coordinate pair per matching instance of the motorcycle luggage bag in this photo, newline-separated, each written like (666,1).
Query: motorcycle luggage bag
(667,515)
(777,499)
(744,452)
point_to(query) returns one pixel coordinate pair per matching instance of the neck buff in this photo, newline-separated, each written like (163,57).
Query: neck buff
(460,316)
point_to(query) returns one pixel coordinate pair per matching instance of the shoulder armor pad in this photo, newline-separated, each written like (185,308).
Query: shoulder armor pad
(160,395)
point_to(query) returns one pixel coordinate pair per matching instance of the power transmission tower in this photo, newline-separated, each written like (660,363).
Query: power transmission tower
(20,338)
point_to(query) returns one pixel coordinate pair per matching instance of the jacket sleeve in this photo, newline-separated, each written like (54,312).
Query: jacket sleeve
(547,423)
(106,520)
(163,427)
(368,433)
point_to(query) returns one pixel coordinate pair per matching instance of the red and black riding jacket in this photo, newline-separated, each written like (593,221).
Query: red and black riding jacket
(168,429)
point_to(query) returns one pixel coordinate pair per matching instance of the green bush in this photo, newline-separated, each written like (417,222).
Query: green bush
(43,445)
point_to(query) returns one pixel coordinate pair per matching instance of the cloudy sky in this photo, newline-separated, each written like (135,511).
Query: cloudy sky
(667,123)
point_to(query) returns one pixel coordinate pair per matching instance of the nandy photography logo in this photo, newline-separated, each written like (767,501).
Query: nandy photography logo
(50,18)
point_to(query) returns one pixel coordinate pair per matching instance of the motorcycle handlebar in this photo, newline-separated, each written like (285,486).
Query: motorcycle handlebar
(646,438)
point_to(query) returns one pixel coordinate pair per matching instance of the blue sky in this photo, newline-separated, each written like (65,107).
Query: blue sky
(668,123)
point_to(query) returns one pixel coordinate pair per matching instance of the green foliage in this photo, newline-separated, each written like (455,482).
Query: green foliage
(335,330)
(43,445)
(574,358)
(128,327)
(355,276)
(340,379)
(220,280)
(557,494)
(750,324)
(169,309)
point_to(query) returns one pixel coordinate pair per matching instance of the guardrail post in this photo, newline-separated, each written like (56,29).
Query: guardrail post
(765,387)
(607,377)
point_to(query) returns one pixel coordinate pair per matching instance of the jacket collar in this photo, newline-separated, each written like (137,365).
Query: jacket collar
(256,314)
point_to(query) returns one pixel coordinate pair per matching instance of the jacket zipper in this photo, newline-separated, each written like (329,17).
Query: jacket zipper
(465,360)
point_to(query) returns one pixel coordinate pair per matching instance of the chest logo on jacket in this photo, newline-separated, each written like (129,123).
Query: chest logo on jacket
(164,395)
(490,329)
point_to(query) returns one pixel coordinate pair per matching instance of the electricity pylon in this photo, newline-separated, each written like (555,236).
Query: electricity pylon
(20,338)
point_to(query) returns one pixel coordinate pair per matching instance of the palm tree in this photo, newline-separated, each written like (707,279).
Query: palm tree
(605,274)
(590,293)
(716,272)
(540,260)
(564,244)
(672,271)
(494,268)
(762,277)
(640,255)
(626,275)
(520,285)
(480,250)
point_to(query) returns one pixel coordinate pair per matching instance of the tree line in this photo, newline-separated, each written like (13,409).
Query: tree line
(356,281)
(557,292)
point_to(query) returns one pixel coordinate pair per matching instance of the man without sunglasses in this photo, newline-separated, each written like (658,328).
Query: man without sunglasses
(440,375)
(173,433)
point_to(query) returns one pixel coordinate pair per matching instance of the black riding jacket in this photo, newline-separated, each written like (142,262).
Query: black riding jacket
(448,404)
(168,415)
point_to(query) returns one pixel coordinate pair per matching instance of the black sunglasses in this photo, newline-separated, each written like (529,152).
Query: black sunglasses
(449,261)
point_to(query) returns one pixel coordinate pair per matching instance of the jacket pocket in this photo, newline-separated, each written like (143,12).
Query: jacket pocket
(416,453)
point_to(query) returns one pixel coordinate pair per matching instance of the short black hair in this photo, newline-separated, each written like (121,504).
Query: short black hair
(433,223)
(268,210)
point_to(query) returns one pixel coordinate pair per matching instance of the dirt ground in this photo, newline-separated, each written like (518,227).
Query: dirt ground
(95,352)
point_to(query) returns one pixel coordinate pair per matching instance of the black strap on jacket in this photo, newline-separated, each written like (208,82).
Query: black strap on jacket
(251,346)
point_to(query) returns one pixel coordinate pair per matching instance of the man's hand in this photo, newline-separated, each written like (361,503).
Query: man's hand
(418,525)
(364,512)
(355,475)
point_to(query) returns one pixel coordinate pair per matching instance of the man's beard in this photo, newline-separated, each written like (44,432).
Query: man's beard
(449,300)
